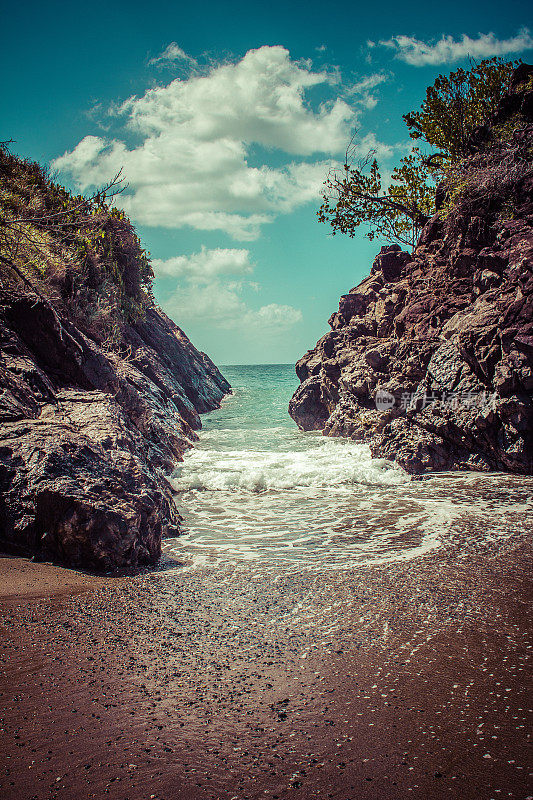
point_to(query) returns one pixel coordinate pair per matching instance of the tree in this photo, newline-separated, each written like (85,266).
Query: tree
(457,104)
(354,195)
(454,106)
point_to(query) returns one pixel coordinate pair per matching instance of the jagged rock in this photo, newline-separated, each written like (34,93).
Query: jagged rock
(391,262)
(88,437)
(447,331)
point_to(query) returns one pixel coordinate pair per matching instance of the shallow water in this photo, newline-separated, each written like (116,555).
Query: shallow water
(255,488)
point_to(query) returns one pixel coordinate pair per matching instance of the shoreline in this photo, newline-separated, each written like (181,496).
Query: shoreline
(408,680)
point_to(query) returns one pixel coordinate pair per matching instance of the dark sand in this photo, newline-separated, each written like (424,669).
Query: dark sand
(21,579)
(410,680)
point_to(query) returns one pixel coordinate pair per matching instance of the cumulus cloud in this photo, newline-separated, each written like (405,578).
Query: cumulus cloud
(274,316)
(447,50)
(192,165)
(210,287)
(206,264)
(259,99)
(222,306)
(213,303)
(173,52)
(370,143)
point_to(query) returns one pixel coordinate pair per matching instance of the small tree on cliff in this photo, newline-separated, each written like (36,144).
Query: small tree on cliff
(457,104)
(355,195)
(454,106)
(81,252)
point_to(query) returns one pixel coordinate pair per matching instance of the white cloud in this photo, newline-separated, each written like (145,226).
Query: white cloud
(369,143)
(214,303)
(206,264)
(222,306)
(210,289)
(368,83)
(362,90)
(173,52)
(259,99)
(192,165)
(274,316)
(447,50)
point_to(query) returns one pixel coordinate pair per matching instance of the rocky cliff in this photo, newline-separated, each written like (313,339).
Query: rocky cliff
(430,358)
(90,426)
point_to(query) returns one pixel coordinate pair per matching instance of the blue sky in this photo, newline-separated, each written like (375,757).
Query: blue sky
(226,118)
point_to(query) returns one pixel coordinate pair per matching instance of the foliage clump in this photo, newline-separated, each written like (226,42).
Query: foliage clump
(78,252)
(455,106)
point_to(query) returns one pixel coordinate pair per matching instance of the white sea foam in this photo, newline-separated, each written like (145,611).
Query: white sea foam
(311,527)
(331,463)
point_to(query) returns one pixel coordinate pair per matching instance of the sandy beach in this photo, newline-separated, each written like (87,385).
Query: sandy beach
(407,680)
(22,580)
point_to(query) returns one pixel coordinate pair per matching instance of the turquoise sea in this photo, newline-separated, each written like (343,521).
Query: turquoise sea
(256,488)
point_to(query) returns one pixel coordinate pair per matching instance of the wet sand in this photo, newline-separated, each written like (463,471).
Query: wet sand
(407,680)
(22,579)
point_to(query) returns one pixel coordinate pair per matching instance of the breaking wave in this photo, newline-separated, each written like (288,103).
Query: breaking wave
(329,463)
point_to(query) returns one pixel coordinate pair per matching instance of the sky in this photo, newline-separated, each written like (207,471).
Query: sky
(226,118)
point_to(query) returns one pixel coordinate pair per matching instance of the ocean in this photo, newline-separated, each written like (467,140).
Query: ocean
(255,488)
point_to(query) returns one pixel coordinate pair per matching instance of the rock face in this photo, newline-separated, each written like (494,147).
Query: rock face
(87,437)
(430,358)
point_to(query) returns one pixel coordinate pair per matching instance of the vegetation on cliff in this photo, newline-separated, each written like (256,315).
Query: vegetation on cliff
(100,392)
(80,252)
(430,358)
(455,106)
